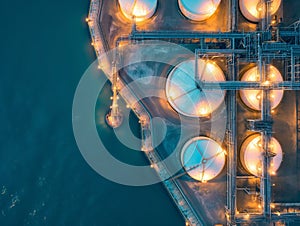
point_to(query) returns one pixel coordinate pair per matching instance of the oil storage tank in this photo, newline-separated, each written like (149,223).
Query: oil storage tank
(254,10)
(140,9)
(198,10)
(203,159)
(184,88)
(251,155)
(253,98)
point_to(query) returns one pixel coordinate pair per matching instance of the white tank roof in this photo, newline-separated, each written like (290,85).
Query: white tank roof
(253,10)
(252,155)
(252,98)
(198,9)
(141,9)
(184,93)
(202,158)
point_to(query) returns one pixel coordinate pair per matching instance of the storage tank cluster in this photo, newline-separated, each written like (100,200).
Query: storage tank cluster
(251,153)
(184,93)
(203,158)
(197,10)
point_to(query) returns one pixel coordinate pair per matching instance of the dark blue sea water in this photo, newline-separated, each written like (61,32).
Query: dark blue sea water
(44,50)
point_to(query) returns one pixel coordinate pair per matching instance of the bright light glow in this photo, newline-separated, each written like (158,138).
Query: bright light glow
(204,111)
(254,10)
(212,9)
(247,216)
(173,93)
(248,95)
(258,143)
(252,168)
(210,67)
(252,97)
(251,155)
(252,78)
(266,83)
(140,10)
(273,173)
(258,96)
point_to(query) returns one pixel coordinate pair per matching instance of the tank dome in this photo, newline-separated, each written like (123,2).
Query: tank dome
(140,9)
(252,98)
(251,155)
(254,10)
(202,158)
(184,92)
(198,10)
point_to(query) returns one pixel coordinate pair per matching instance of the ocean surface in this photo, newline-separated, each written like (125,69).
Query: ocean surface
(44,50)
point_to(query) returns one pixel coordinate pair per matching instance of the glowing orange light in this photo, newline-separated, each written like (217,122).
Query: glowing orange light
(266,83)
(203,111)
(273,173)
(252,168)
